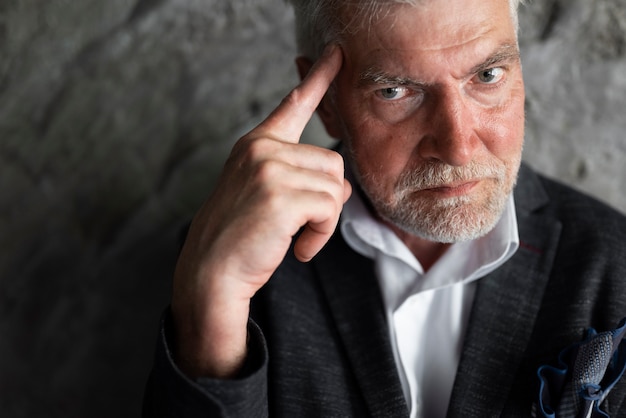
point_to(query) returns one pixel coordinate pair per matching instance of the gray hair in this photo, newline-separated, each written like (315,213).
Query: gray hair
(318,22)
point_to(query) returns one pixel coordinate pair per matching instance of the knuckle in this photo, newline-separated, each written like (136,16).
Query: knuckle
(296,99)
(336,161)
(333,164)
(267,171)
(257,149)
(250,149)
(293,98)
(329,200)
(274,203)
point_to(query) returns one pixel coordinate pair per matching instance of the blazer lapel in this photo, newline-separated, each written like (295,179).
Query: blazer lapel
(505,307)
(504,311)
(355,302)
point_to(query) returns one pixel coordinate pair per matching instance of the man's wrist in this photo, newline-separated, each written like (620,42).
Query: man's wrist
(213,343)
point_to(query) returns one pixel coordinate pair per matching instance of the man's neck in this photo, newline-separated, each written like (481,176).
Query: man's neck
(426,252)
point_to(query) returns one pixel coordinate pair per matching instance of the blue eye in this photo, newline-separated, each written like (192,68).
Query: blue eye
(491,75)
(395,103)
(393,93)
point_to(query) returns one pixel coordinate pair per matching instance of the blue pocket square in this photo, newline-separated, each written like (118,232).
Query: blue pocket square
(585,374)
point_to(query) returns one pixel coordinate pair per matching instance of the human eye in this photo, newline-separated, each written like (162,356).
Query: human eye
(393,93)
(490,86)
(490,75)
(394,103)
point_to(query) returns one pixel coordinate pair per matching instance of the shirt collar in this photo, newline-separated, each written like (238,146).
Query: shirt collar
(462,262)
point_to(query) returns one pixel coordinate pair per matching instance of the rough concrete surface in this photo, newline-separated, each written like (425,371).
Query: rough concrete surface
(115,117)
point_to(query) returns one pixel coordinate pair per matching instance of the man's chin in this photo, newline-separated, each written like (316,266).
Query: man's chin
(448,221)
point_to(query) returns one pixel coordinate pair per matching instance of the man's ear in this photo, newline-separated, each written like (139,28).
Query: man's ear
(326,110)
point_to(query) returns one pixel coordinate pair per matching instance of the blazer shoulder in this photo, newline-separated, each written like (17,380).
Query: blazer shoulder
(577,211)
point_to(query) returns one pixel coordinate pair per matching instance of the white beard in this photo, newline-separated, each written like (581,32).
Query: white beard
(445,220)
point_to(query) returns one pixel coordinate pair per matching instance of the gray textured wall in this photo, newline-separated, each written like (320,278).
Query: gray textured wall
(115,117)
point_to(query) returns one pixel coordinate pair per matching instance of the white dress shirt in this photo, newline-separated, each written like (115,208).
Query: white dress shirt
(427,311)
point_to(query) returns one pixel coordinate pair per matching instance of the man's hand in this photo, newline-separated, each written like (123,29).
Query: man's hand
(270,188)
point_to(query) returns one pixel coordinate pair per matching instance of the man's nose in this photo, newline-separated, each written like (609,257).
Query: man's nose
(451,130)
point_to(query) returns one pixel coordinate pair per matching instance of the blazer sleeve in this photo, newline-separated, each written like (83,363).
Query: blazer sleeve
(170,393)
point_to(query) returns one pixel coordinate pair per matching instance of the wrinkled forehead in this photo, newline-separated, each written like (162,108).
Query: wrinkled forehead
(422,43)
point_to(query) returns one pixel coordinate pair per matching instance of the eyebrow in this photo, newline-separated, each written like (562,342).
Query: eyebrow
(506,53)
(374,75)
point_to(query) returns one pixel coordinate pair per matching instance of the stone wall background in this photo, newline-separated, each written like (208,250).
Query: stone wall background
(115,117)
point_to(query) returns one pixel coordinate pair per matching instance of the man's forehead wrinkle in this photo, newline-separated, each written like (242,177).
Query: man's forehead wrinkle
(387,42)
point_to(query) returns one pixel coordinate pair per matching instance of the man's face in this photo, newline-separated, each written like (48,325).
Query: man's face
(430,103)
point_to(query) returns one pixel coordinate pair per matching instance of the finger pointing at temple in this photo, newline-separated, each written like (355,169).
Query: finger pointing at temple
(288,120)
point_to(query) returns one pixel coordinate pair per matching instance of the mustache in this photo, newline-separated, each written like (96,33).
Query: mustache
(435,174)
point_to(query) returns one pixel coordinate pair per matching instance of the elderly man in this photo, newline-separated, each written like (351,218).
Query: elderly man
(430,275)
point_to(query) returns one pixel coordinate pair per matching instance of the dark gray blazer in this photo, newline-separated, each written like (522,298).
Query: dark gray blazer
(319,343)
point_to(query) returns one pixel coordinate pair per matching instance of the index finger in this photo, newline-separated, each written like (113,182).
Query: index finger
(288,120)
